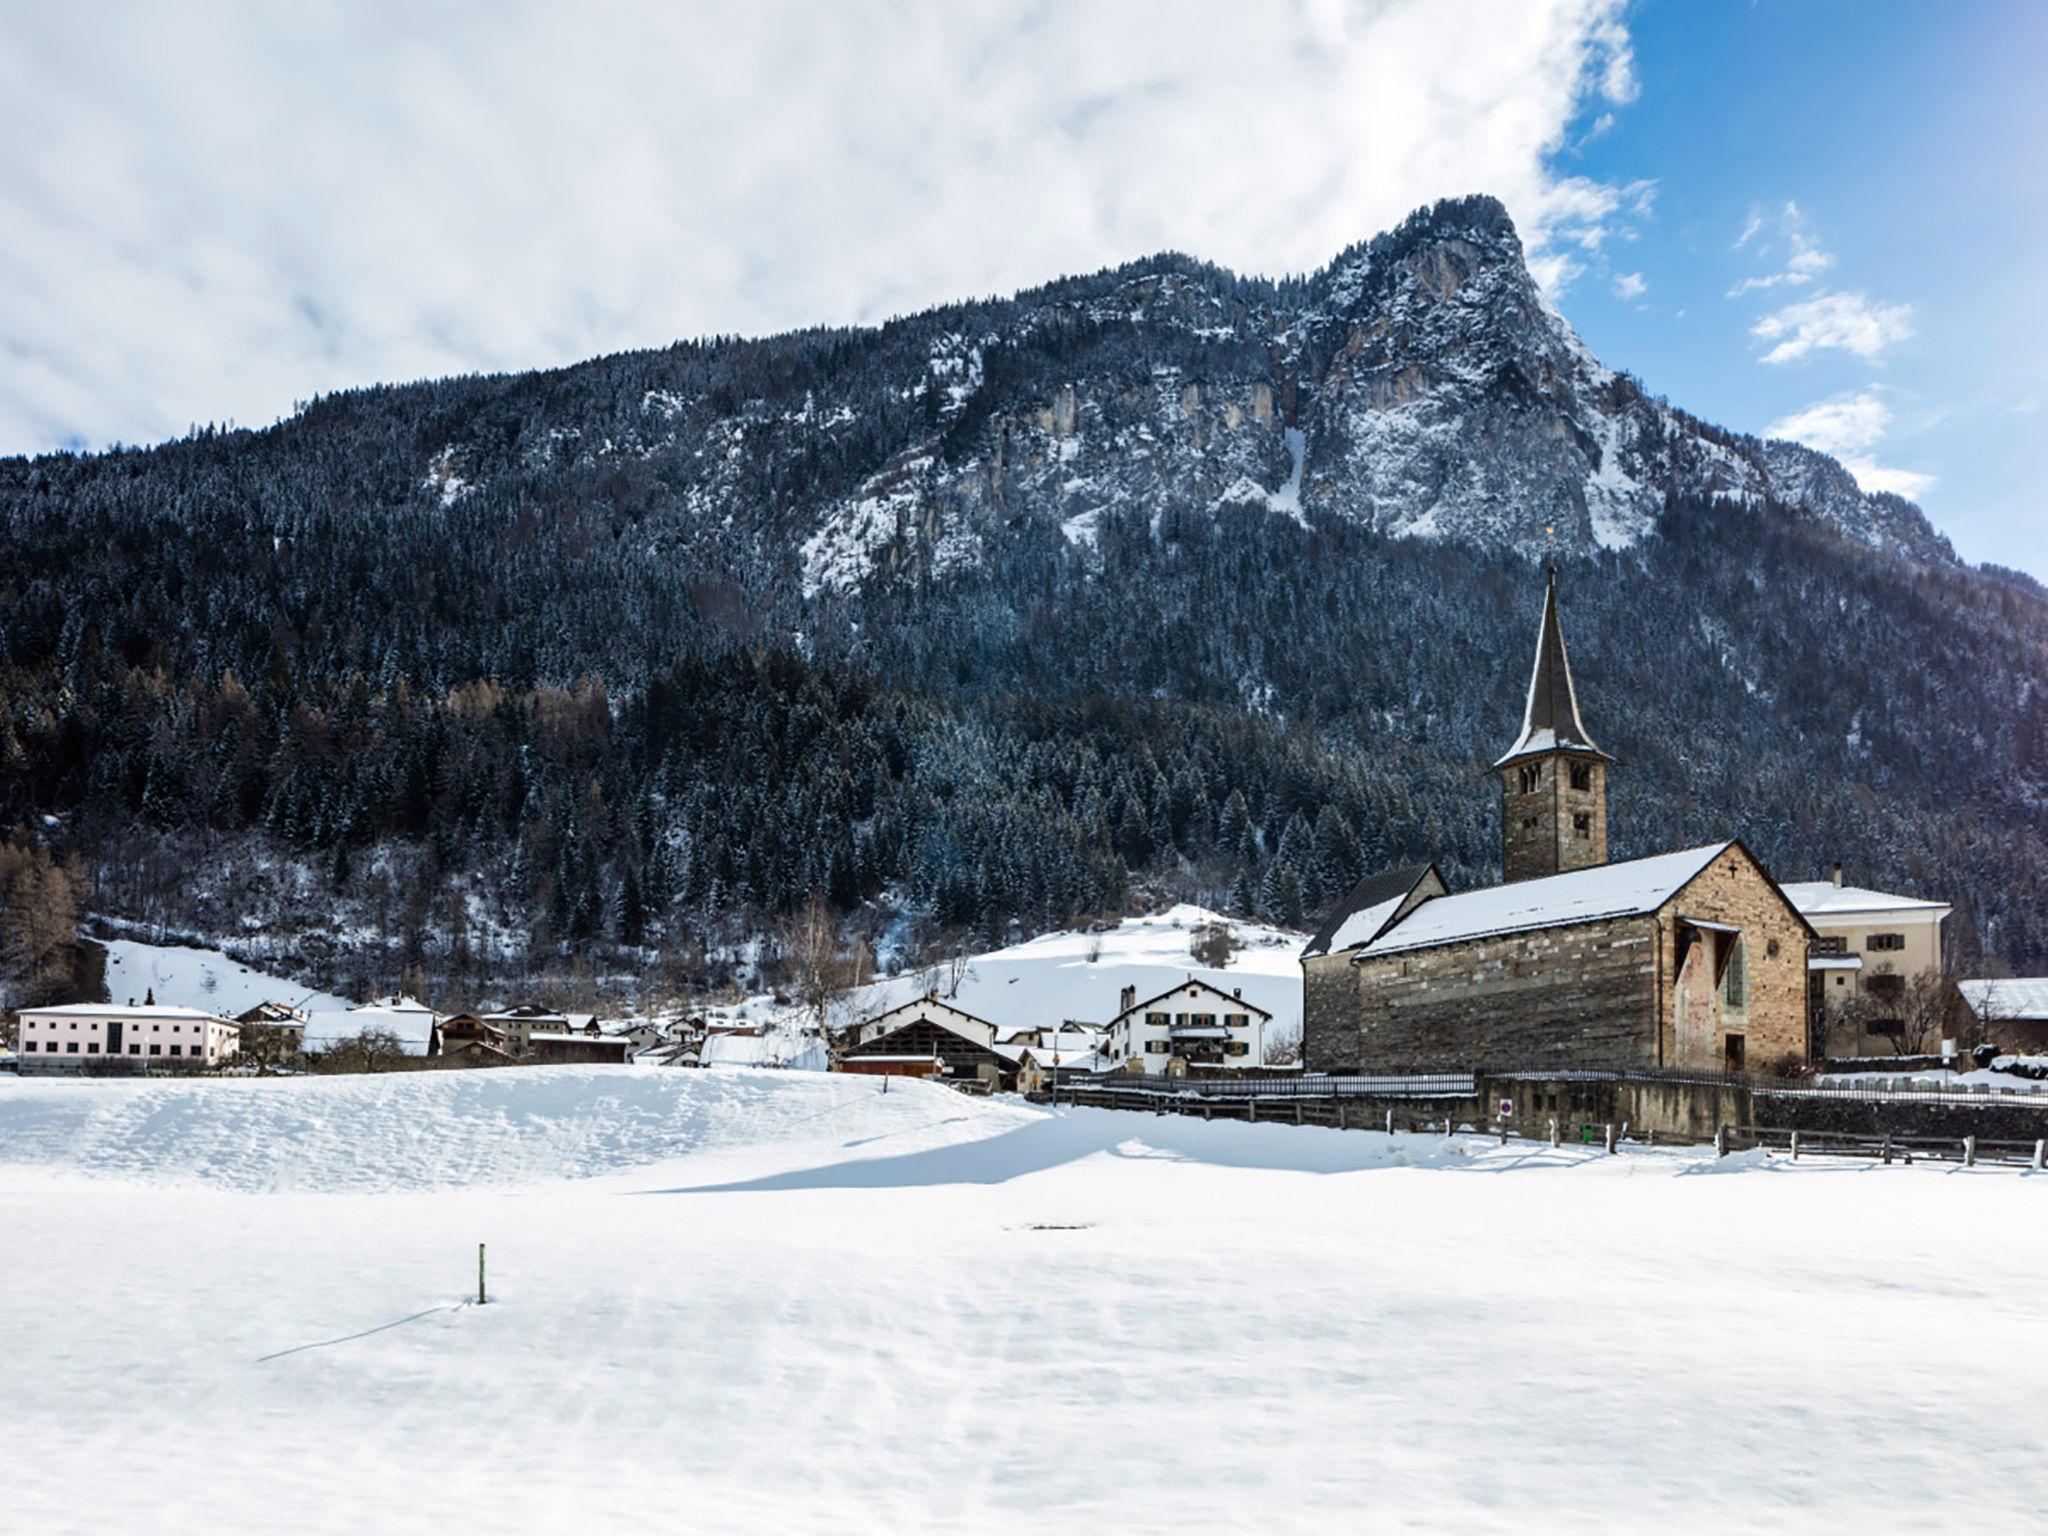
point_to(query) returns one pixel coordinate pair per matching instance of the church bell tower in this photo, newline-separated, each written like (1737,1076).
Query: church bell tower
(1553,780)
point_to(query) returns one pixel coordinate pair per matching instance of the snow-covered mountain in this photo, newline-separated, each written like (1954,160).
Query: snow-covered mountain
(1153,584)
(1421,384)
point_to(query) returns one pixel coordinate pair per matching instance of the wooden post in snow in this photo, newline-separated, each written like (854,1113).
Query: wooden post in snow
(1795,1146)
(1969,1151)
(1887,1146)
(1390,1122)
(2040,1155)
(1610,1138)
(1555,1139)
(481,1299)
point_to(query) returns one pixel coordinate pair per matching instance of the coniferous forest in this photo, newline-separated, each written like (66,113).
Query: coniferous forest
(469,676)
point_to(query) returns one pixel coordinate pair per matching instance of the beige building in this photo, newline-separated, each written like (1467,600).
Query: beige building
(1872,947)
(139,1038)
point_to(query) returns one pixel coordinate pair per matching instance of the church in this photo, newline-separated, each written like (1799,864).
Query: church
(1694,959)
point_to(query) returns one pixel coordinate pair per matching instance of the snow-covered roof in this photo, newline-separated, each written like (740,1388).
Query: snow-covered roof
(1626,889)
(1818,900)
(413,1026)
(576,1037)
(928,1009)
(1235,1001)
(128,1011)
(1834,962)
(1067,1061)
(2007,997)
(1364,913)
(395,1005)
(1550,718)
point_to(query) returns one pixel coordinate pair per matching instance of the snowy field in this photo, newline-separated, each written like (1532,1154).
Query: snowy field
(756,1301)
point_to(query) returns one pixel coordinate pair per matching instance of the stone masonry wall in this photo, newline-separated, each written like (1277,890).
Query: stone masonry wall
(1735,890)
(1580,996)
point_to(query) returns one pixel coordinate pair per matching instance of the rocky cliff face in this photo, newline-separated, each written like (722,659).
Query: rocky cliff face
(1421,385)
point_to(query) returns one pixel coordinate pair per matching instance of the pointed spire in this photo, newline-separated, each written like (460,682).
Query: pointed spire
(1550,720)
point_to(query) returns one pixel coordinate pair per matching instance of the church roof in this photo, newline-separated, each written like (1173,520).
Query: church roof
(1550,719)
(1361,916)
(1628,889)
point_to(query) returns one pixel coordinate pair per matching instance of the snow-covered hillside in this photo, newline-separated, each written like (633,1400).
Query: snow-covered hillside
(832,1309)
(182,977)
(1080,975)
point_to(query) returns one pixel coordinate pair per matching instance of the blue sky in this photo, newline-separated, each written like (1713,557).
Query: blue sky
(1912,140)
(213,209)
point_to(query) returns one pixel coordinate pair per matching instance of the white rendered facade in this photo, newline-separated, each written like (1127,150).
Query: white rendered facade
(145,1037)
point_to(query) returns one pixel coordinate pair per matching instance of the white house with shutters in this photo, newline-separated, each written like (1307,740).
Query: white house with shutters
(1192,1027)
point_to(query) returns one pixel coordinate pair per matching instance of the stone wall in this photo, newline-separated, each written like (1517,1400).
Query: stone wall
(1539,834)
(1580,996)
(1735,890)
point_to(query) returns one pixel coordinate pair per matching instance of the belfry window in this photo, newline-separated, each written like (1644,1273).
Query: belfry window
(1532,777)
(1582,823)
(1582,775)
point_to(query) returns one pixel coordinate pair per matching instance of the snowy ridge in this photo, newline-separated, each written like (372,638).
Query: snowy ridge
(448,1129)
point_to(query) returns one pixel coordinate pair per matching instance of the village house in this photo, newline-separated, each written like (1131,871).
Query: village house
(102,1037)
(1693,959)
(1869,949)
(272,1032)
(519,1025)
(2010,1012)
(410,1022)
(929,1038)
(468,1040)
(1190,1027)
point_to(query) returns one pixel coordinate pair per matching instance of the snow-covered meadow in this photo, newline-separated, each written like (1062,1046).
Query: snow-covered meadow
(759,1301)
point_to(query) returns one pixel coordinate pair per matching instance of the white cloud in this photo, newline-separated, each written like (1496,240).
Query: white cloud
(1630,285)
(1805,260)
(1845,424)
(1849,322)
(215,208)
(1848,427)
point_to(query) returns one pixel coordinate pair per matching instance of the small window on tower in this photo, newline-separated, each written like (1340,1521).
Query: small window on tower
(1582,775)
(1532,777)
(1582,823)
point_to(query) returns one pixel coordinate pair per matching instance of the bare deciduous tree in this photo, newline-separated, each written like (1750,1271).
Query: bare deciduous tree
(816,973)
(373,1050)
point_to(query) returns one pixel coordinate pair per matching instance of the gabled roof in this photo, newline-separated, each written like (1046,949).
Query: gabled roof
(1237,1004)
(2007,998)
(878,1024)
(1824,899)
(1364,914)
(1550,719)
(1628,889)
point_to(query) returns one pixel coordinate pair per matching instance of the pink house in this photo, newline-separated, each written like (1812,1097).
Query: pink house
(149,1037)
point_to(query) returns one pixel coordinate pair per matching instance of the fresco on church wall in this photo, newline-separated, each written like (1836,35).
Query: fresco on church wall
(1696,1008)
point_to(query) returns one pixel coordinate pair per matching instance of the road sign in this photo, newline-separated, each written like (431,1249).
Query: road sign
(1507,1109)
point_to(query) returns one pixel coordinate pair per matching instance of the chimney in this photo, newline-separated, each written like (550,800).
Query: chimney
(1838,877)
(1127,999)
(1237,992)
